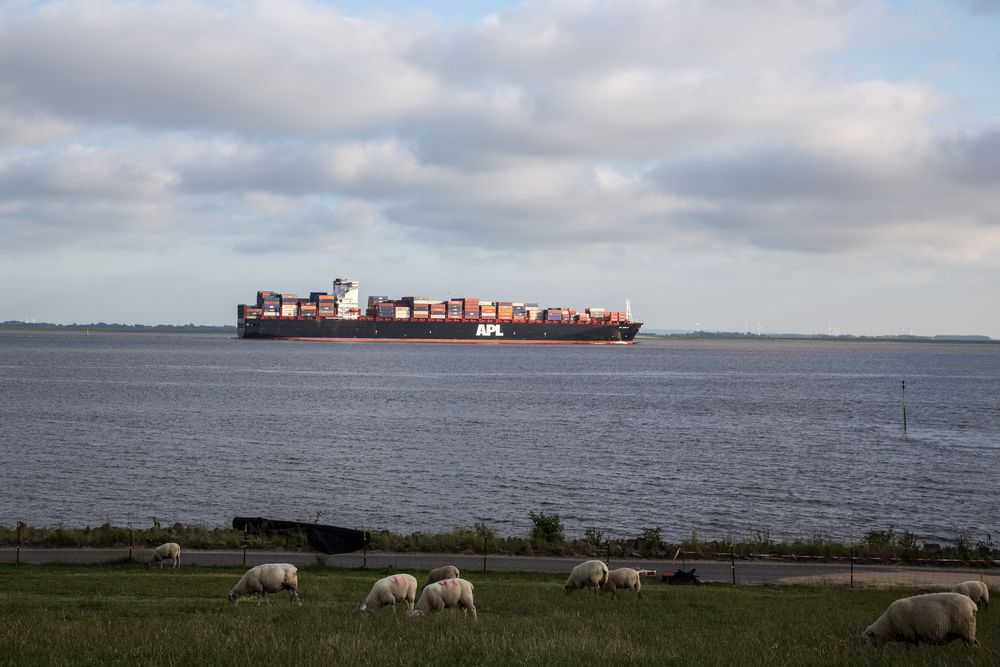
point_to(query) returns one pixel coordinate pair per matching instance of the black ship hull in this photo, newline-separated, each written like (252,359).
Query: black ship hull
(437,331)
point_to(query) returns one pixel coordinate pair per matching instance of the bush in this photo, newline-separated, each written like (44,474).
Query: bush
(651,541)
(547,528)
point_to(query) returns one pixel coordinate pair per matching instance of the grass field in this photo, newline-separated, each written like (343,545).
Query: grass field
(128,614)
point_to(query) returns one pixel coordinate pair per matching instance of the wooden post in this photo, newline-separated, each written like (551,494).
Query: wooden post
(607,561)
(852,566)
(732,562)
(245,541)
(364,551)
(17,558)
(484,551)
(130,541)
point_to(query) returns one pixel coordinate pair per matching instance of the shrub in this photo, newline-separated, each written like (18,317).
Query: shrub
(547,528)
(651,541)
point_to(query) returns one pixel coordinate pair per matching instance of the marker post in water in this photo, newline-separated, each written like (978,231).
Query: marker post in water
(904,406)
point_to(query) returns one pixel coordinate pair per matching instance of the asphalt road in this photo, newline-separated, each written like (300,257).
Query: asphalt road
(746,572)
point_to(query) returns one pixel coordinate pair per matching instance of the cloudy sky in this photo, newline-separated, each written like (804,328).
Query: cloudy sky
(798,166)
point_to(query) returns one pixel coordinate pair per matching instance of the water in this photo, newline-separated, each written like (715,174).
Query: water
(721,438)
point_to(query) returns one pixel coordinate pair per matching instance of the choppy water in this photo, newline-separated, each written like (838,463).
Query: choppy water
(717,437)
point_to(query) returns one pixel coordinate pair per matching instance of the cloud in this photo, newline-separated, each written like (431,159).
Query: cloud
(547,126)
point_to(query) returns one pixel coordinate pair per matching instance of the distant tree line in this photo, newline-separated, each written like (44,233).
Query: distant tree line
(115,326)
(842,337)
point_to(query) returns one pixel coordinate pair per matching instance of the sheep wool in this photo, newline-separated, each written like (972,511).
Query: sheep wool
(446,593)
(977,591)
(589,574)
(443,572)
(386,592)
(267,578)
(932,618)
(624,577)
(171,551)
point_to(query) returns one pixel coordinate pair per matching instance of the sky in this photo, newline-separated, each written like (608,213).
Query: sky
(775,166)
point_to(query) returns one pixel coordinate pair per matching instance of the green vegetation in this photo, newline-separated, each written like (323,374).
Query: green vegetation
(97,327)
(546,528)
(547,538)
(128,614)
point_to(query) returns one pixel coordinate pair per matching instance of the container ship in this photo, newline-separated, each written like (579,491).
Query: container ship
(337,316)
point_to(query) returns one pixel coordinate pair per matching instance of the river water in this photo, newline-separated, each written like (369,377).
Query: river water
(719,438)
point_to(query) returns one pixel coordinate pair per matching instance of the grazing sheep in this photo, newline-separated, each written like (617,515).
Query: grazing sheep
(623,577)
(267,578)
(932,618)
(388,591)
(446,593)
(591,573)
(977,591)
(443,572)
(170,551)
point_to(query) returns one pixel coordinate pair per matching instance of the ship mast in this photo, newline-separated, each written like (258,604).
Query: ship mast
(628,310)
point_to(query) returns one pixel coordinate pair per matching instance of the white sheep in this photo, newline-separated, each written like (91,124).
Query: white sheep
(443,572)
(267,578)
(170,551)
(389,590)
(446,593)
(977,591)
(932,618)
(589,574)
(623,577)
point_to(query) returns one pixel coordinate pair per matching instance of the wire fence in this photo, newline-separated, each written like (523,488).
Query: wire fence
(786,569)
(738,566)
(810,570)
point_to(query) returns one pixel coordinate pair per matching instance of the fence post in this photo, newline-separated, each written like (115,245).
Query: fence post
(130,541)
(485,536)
(364,552)
(732,561)
(607,561)
(852,566)
(245,540)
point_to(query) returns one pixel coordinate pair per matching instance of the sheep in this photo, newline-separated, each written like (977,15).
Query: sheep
(591,573)
(443,572)
(977,591)
(267,578)
(170,551)
(390,590)
(446,593)
(932,618)
(623,577)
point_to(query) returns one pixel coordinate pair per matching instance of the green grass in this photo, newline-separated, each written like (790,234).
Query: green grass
(128,614)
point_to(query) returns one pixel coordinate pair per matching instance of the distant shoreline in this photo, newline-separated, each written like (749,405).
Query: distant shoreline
(104,327)
(701,335)
(115,327)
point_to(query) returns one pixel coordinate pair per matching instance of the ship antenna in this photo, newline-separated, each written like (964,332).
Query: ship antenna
(628,310)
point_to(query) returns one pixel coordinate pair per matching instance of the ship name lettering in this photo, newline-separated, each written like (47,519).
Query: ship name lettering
(488,330)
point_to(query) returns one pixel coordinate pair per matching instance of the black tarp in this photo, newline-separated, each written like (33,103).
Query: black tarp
(322,538)
(684,577)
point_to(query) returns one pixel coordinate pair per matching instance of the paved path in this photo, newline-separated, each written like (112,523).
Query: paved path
(747,572)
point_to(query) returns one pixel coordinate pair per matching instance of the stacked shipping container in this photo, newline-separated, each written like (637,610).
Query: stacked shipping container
(324,305)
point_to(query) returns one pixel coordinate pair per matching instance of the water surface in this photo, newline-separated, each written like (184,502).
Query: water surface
(721,438)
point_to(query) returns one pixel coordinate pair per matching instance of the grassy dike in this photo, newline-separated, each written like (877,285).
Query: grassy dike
(128,614)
